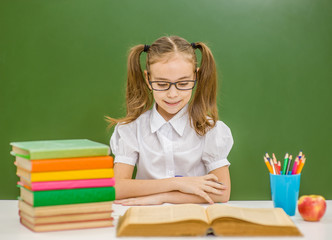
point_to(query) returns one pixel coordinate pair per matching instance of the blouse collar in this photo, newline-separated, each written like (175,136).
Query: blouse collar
(178,122)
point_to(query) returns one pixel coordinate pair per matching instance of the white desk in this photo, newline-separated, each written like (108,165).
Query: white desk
(10,227)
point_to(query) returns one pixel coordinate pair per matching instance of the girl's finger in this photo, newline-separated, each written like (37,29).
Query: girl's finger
(205,196)
(127,201)
(215,185)
(211,177)
(212,190)
(131,202)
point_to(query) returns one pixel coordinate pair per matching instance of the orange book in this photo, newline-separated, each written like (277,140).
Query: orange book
(64,164)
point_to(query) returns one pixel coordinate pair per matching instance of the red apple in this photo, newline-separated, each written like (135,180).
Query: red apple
(311,207)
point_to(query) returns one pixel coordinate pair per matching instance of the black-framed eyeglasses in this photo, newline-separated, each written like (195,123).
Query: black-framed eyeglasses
(165,85)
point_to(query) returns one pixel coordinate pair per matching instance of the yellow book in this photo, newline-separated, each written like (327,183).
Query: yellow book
(196,220)
(64,175)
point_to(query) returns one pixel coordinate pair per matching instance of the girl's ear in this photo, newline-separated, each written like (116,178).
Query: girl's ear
(196,75)
(146,79)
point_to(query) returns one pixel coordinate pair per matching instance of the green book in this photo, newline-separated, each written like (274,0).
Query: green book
(67,196)
(49,149)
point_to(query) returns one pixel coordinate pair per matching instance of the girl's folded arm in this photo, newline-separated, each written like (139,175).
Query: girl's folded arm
(127,187)
(200,186)
(177,197)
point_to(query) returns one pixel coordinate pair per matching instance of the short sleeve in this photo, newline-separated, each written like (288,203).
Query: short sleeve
(218,143)
(124,144)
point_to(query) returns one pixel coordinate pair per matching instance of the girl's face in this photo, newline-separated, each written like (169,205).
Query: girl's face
(176,68)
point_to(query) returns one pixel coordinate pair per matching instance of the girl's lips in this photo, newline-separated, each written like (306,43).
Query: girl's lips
(172,103)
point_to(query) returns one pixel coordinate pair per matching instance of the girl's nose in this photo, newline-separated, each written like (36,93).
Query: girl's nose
(172,92)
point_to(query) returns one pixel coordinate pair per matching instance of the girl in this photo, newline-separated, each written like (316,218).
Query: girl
(179,146)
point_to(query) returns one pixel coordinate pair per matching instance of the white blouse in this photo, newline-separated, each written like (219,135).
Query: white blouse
(163,149)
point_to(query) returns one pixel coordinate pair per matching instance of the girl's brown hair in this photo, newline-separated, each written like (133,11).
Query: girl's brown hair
(203,112)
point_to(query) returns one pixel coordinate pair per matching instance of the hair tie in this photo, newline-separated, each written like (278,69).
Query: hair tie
(193,45)
(146,48)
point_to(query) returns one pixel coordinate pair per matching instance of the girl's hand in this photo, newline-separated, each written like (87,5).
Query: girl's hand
(146,200)
(200,186)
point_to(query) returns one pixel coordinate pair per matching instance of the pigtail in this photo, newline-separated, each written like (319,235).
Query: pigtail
(138,97)
(203,109)
(138,94)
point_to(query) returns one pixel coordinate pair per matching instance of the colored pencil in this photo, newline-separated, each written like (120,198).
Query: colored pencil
(272,165)
(289,163)
(275,164)
(299,169)
(300,153)
(268,165)
(284,169)
(295,165)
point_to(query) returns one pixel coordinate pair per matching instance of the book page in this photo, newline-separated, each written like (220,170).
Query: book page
(264,216)
(165,214)
(19,151)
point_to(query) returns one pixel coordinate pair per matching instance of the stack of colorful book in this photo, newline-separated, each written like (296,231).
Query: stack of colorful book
(64,184)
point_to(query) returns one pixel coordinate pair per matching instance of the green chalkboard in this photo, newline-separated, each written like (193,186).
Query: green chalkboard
(63,68)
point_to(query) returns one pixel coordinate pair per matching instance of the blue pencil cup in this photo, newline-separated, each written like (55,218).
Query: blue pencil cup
(285,191)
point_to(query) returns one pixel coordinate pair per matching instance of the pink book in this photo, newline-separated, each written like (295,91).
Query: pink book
(68,184)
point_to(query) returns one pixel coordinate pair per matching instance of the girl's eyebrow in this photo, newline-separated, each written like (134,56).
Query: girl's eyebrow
(161,78)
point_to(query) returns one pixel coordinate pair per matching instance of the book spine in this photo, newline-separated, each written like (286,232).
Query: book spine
(67,209)
(73,196)
(81,217)
(66,226)
(70,184)
(50,165)
(72,175)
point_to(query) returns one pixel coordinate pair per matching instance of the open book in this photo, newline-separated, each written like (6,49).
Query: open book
(196,220)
